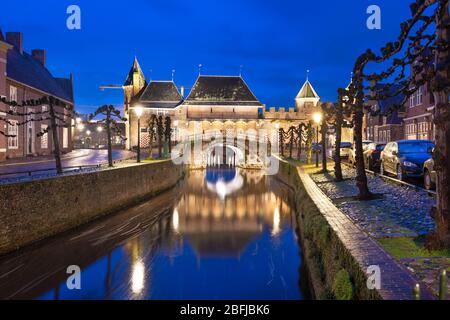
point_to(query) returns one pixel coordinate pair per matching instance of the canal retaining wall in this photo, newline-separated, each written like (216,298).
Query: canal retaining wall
(333,270)
(31,211)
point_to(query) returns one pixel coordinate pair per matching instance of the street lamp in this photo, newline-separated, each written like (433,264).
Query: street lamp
(138,110)
(99,128)
(317,117)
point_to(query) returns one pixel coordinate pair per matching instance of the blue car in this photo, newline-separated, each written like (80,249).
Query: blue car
(405,158)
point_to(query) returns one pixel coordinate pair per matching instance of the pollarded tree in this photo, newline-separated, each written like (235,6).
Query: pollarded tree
(309,137)
(168,133)
(160,134)
(58,114)
(110,115)
(424,46)
(420,23)
(151,125)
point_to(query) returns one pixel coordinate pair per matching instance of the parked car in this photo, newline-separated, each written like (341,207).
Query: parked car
(405,158)
(316,147)
(429,174)
(344,149)
(352,153)
(372,155)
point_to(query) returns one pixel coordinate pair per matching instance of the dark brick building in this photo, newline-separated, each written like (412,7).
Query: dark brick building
(24,76)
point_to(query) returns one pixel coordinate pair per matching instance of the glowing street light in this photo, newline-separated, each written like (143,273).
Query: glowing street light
(138,110)
(99,128)
(88,132)
(317,117)
(80,127)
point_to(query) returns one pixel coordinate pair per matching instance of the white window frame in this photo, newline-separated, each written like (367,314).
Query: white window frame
(412,99)
(419,96)
(12,93)
(13,142)
(65,138)
(44,137)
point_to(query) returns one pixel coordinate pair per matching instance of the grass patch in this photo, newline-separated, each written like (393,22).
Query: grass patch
(406,247)
(153,160)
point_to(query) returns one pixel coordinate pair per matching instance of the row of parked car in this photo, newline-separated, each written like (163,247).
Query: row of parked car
(403,159)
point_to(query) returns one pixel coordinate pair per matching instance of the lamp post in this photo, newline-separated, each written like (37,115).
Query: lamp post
(317,119)
(138,111)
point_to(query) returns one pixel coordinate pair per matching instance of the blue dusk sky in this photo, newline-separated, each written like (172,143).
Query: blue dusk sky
(275,41)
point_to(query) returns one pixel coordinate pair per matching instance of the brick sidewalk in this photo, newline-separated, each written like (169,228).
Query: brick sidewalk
(396,282)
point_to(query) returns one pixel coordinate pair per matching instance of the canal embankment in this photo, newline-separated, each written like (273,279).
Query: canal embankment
(339,255)
(33,210)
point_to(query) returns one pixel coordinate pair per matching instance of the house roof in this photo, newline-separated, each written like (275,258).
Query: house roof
(221,90)
(307,91)
(160,94)
(25,69)
(134,68)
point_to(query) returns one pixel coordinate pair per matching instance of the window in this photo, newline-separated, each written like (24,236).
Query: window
(65,138)
(411,100)
(12,93)
(419,96)
(13,131)
(44,137)
(44,108)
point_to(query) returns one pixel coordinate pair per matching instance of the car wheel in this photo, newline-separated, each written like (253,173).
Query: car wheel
(400,175)
(427,180)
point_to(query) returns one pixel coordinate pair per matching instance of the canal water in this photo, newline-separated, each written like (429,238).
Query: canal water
(220,234)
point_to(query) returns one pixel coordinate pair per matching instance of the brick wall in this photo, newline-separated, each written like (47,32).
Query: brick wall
(34,210)
(28,133)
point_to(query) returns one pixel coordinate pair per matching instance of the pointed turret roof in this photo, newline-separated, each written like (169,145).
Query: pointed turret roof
(134,68)
(307,91)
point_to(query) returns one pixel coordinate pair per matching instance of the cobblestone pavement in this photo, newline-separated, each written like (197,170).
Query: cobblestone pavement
(396,281)
(400,211)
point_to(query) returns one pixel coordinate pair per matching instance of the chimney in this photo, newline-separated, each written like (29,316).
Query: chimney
(182,91)
(16,39)
(39,55)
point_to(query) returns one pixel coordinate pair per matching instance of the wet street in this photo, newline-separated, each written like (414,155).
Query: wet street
(79,157)
(220,234)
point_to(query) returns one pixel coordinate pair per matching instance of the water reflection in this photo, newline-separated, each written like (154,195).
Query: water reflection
(222,234)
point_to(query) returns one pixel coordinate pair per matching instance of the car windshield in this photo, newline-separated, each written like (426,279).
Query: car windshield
(346,145)
(415,147)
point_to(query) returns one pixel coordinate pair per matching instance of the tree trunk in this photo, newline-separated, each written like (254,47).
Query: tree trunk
(291,141)
(56,150)
(108,133)
(323,133)
(337,146)
(299,142)
(281,134)
(441,156)
(361,178)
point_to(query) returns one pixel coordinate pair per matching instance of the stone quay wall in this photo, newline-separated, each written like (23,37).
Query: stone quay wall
(34,210)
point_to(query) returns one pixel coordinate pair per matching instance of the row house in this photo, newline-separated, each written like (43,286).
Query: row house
(418,121)
(25,76)
(385,123)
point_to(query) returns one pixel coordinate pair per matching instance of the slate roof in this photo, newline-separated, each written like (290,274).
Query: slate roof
(221,90)
(134,68)
(160,94)
(386,104)
(307,91)
(25,69)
